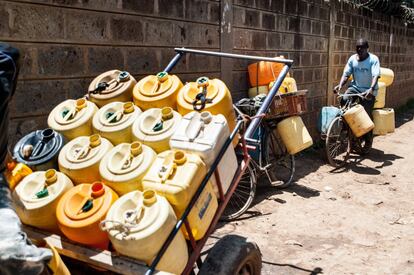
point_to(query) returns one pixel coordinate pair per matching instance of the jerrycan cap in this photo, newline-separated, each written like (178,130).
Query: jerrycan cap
(38,147)
(206,117)
(128,107)
(80,103)
(179,157)
(98,189)
(162,76)
(95,140)
(203,81)
(136,148)
(50,176)
(167,113)
(123,76)
(150,197)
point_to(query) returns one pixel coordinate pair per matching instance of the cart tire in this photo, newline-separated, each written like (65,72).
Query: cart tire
(233,254)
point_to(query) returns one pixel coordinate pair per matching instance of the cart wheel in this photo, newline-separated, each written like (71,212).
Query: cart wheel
(242,197)
(233,254)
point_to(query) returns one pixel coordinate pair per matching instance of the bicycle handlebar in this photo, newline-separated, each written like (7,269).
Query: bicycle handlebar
(361,95)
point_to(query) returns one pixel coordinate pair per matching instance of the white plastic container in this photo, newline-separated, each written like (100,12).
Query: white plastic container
(204,134)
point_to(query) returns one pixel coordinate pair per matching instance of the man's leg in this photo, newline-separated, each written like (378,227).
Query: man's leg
(368,105)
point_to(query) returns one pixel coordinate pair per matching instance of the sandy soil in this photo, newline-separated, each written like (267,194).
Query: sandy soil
(354,221)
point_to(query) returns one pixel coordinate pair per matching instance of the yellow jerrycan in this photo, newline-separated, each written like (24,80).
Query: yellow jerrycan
(15,172)
(288,85)
(386,76)
(294,134)
(80,211)
(73,118)
(155,127)
(125,165)
(358,120)
(384,120)
(114,121)
(204,134)
(177,175)
(258,90)
(139,223)
(380,98)
(157,91)
(207,95)
(111,86)
(80,158)
(36,197)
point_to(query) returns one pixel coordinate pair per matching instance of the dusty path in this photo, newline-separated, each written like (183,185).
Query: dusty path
(358,221)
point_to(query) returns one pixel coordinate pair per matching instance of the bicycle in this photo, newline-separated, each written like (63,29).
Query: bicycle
(269,157)
(339,138)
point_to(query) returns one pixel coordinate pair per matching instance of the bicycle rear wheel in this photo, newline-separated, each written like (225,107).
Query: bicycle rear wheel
(242,197)
(338,142)
(280,165)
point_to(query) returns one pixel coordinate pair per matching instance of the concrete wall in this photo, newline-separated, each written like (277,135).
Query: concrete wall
(65,43)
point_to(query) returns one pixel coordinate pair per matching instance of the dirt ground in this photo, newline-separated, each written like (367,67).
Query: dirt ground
(354,221)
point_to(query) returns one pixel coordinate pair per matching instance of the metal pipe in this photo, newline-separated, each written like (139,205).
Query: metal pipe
(237,56)
(173,62)
(266,104)
(200,189)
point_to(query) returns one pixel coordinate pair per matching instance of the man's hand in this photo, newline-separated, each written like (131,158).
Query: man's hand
(369,94)
(337,88)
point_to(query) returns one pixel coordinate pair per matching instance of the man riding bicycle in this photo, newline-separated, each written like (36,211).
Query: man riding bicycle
(365,70)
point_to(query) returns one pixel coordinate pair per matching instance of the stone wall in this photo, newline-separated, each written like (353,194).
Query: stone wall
(65,43)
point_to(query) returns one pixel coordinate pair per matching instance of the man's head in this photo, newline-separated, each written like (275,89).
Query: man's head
(362,48)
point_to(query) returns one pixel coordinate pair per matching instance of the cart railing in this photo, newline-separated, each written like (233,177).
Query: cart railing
(223,198)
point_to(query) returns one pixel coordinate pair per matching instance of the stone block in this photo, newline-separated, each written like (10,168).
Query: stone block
(215,12)
(316,27)
(37,97)
(294,24)
(168,8)
(308,75)
(240,82)
(282,23)
(28,53)
(252,19)
(315,59)
(239,16)
(127,29)
(287,41)
(324,13)
(273,40)
(60,61)
(325,29)
(158,32)
(268,21)
(36,22)
(86,26)
(277,6)
(242,39)
(259,40)
(4,20)
(102,59)
(305,25)
(141,6)
(303,8)
(305,59)
(291,7)
(197,10)
(299,41)
(142,61)
(77,88)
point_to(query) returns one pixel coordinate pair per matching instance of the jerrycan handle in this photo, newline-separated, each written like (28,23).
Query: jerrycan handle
(166,170)
(94,141)
(201,99)
(134,151)
(194,128)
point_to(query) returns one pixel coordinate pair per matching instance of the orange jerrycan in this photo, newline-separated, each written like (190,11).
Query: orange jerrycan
(111,86)
(263,72)
(138,224)
(15,172)
(114,121)
(80,158)
(157,91)
(36,197)
(125,165)
(155,127)
(207,95)
(176,175)
(73,118)
(80,211)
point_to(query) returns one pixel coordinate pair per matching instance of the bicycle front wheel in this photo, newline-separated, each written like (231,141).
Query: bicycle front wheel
(338,142)
(280,165)
(242,197)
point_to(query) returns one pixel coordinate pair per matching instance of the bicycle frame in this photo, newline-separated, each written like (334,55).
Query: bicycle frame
(224,198)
